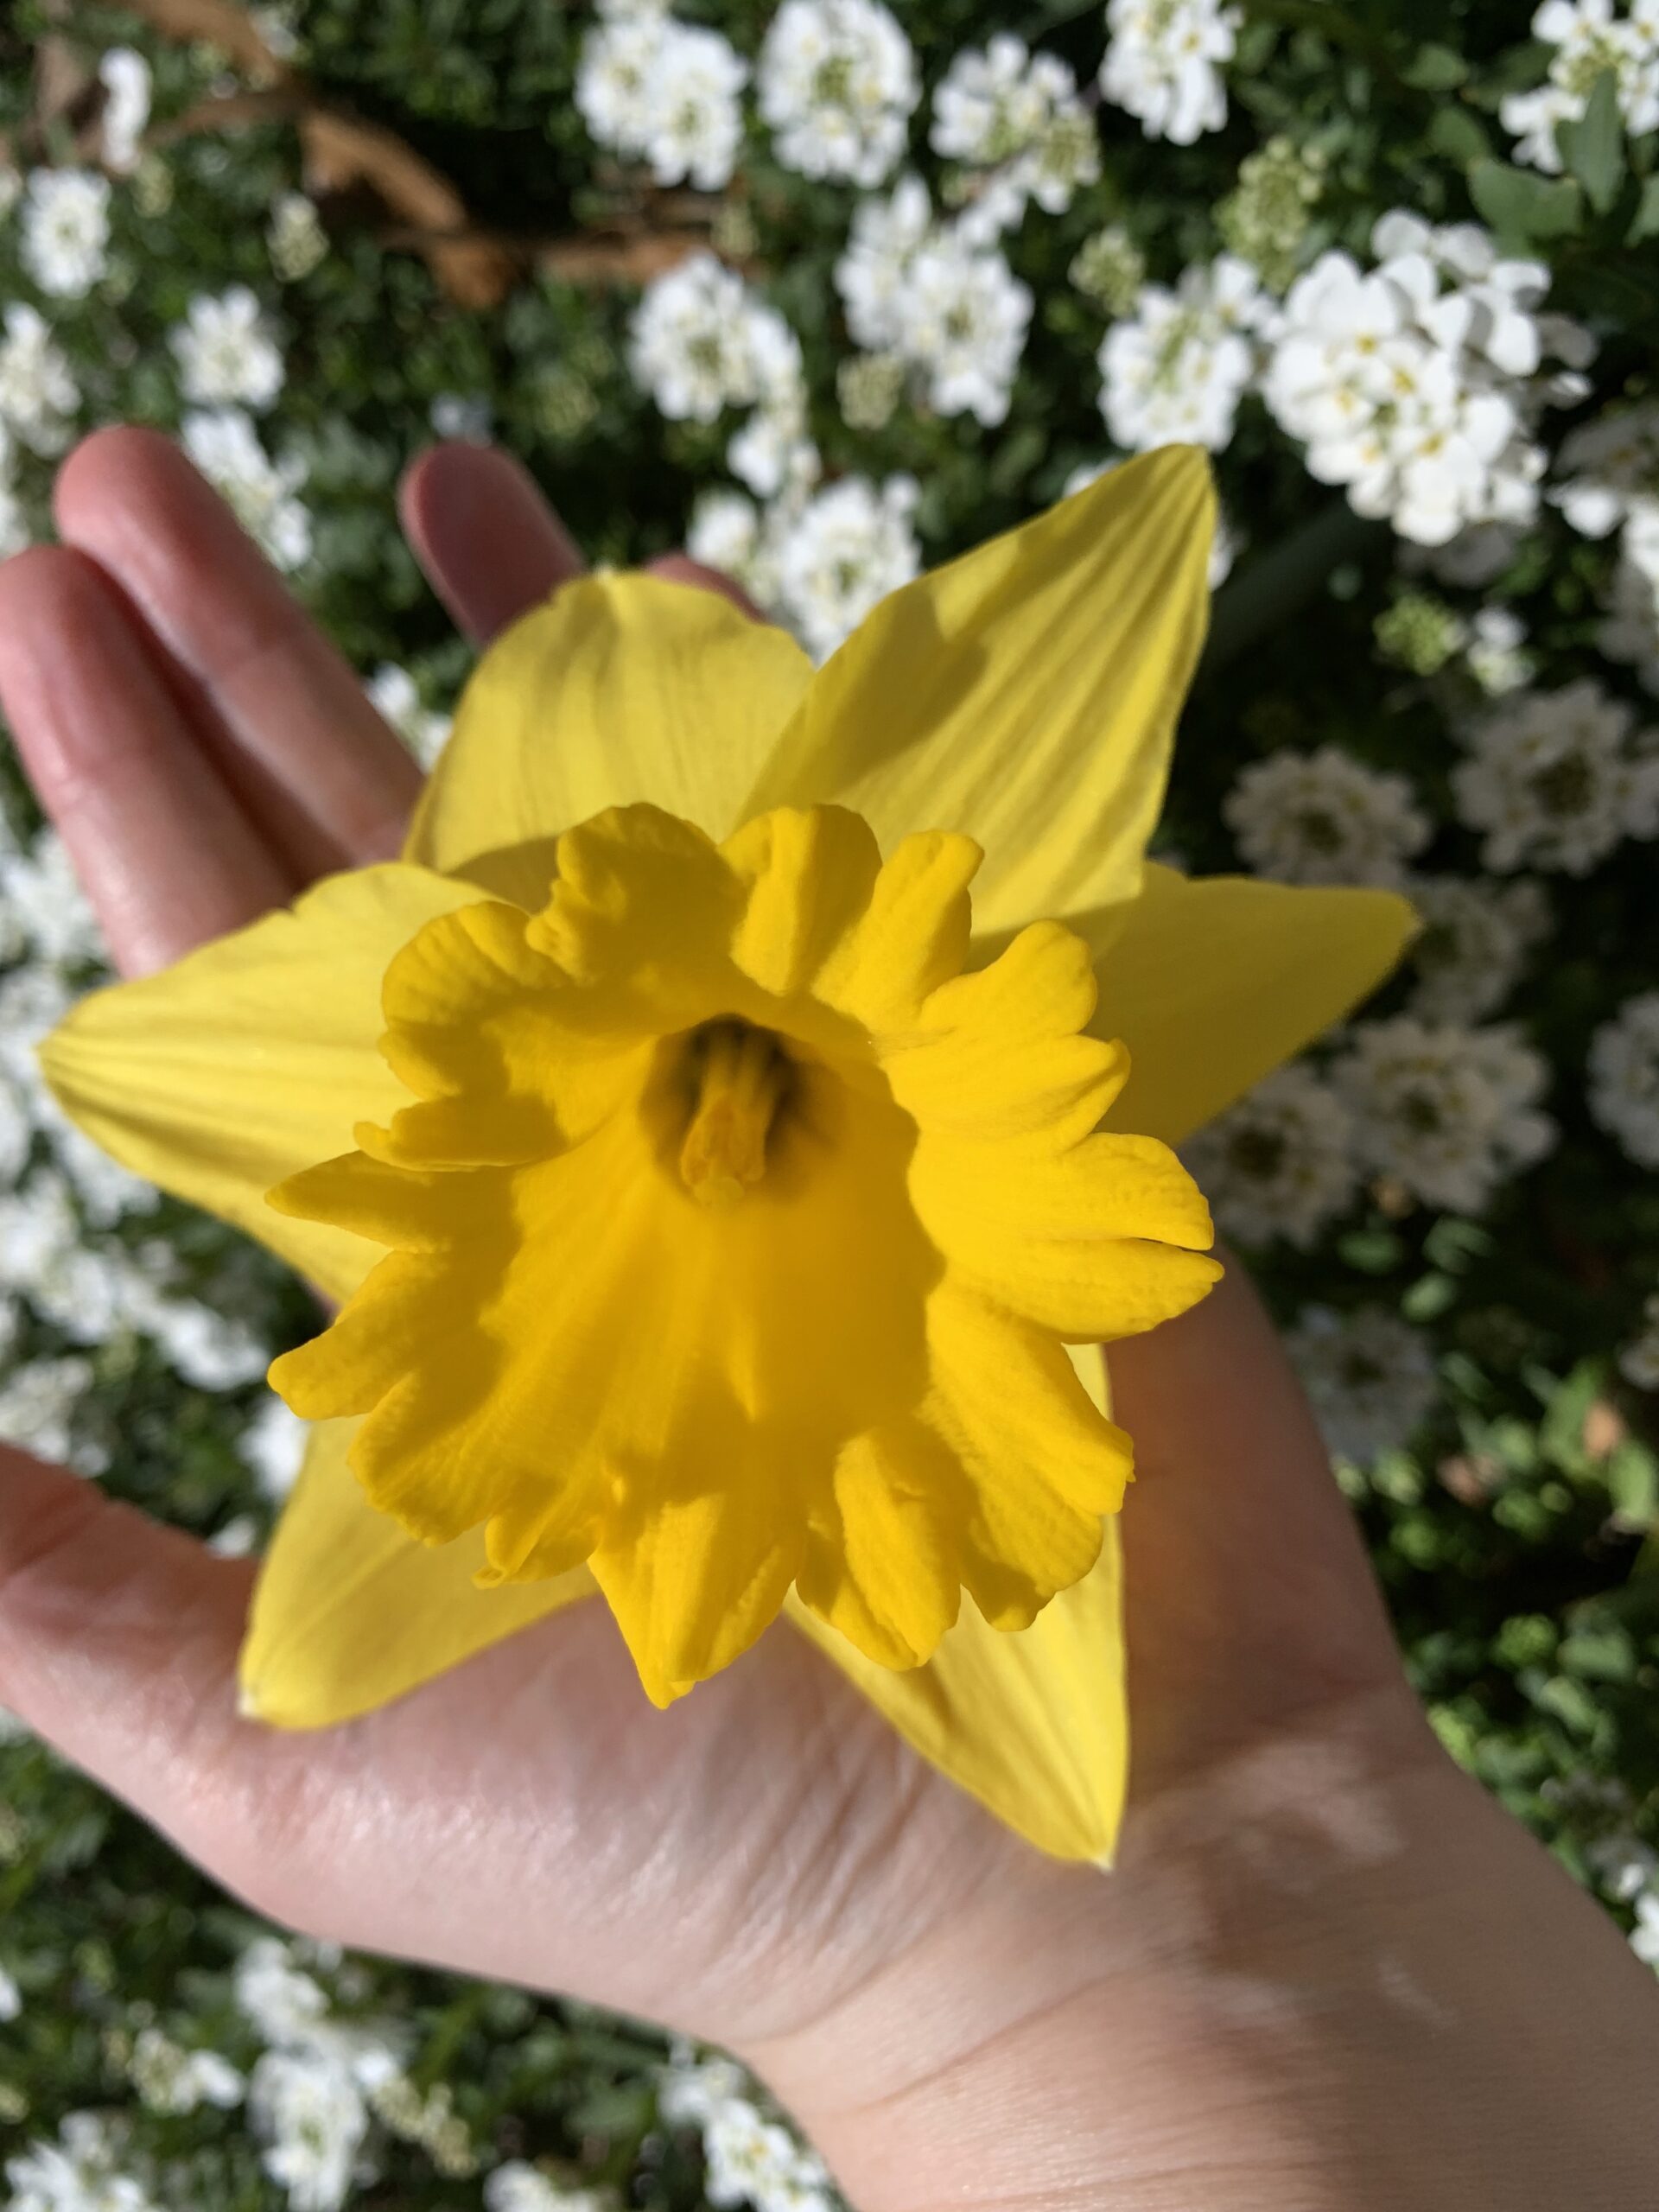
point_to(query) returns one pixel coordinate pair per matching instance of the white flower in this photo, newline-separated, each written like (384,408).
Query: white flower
(11,1998)
(45,892)
(78,2173)
(664,92)
(1639,1360)
(273,1444)
(1473,944)
(124,74)
(949,310)
(1624,1077)
(1280,1162)
(692,342)
(1162,64)
(748,2154)
(1370,1377)
(38,392)
(1493,652)
(1588,40)
(1630,629)
(37,1408)
(1644,1937)
(310,2113)
(225,446)
(295,238)
(691,2090)
(1448,1112)
(1017,116)
(849,547)
(1554,783)
(964,318)
(1415,383)
(725,532)
(17,1135)
(282,2001)
(65,230)
(397,695)
(1176,369)
(226,351)
(518,2187)
(170,2079)
(1320,818)
(871,273)
(838,83)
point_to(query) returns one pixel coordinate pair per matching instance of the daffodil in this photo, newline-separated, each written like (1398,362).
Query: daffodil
(728,1130)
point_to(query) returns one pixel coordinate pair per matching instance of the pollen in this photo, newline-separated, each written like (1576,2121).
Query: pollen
(741,1075)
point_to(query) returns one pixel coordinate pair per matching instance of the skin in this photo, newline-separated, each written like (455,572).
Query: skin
(1328,1971)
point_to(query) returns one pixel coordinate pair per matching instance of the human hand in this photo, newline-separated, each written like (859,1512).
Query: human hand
(1314,1919)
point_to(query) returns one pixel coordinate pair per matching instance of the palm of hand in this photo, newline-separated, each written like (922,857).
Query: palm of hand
(750,1862)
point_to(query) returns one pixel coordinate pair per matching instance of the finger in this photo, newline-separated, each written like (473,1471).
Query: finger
(118,772)
(1249,1592)
(281,713)
(118,1644)
(681,569)
(490,544)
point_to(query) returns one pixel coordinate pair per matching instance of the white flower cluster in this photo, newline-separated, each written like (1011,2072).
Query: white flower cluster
(225,352)
(923,292)
(82,2172)
(1370,1377)
(1444,1113)
(1473,945)
(752,2160)
(664,92)
(1610,467)
(1015,120)
(518,2186)
(423,728)
(701,343)
(819,563)
(1164,61)
(1588,40)
(1417,382)
(1175,369)
(1624,1077)
(309,2096)
(1322,817)
(65,240)
(124,76)
(838,85)
(1554,780)
(263,493)
(1280,1163)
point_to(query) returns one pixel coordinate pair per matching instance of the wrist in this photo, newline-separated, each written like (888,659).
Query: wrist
(1335,1976)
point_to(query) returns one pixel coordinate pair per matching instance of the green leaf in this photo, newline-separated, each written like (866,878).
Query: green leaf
(1523,206)
(1436,69)
(1592,146)
(1459,136)
(1645,223)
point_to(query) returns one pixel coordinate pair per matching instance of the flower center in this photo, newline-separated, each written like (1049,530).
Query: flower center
(740,1075)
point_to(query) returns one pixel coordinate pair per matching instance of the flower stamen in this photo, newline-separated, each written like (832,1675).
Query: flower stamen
(741,1075)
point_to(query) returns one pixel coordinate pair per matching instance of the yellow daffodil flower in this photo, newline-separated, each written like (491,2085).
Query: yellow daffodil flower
(724,1127)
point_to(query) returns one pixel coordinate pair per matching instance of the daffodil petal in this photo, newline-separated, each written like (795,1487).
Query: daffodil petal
(620,688)
(253,1057)
(1026,695)
(1034,1724)
(1213,983)
(349,1612)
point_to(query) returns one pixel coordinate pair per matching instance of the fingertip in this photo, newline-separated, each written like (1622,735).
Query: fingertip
(121,467)
(681,569)
(491,545)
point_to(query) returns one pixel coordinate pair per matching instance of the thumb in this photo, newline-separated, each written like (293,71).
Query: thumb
(118,1644)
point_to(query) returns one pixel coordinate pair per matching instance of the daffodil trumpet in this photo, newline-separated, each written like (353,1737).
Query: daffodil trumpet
(731,1129)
